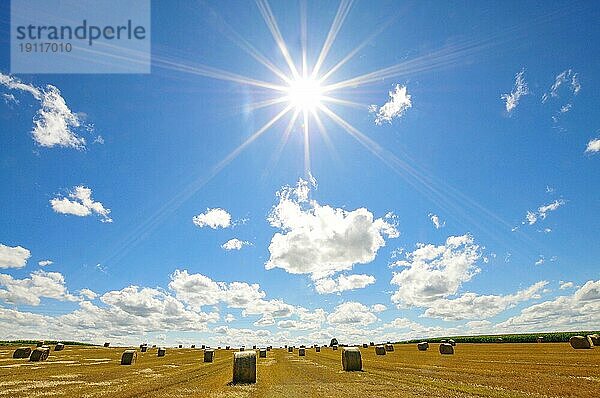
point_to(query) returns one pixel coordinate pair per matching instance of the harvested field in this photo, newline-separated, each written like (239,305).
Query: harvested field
(475,370)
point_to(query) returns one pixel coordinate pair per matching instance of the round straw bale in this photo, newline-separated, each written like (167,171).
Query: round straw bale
(290,349)
(262,353)
(180,345)
(333,342)
(580,342)
(317,349)
(334,347)
(39,343)
(22,352)
(301,352)
(389,347)
(194,346)
(106,345)
(59,347)
(269,348)
(39,354)
(242,348)
(380,350)
(209,355)
(365,345)
(254,347)
(351,359)
(244,367)
(227,347)
(128,357)
(446,349)
(423,346)
(203,346)
(452,342)
(595,339)
(161,351)
(372,344)
(144,348)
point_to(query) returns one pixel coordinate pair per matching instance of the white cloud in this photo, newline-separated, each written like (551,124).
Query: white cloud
(520,89)
(266,320)
(531,217)
(81,204)
(352,313)
(476,306)
(88,294)
(10,99)
(199,290)
(229,318)
(343,283)
(235,244)
(478,325)
(213,218)
(593,146)
(55,124)
(322,240)
(566,79)
(540,260)
(415,330)
(566,285)
(307,320)
(435,219)
(396,107)
(378,308)
(30,290)
(542,212)
(578,311)
(434,272)
(13,257)
(98,140)
(45,263)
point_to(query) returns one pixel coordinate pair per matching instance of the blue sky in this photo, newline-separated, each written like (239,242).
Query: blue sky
(485,123)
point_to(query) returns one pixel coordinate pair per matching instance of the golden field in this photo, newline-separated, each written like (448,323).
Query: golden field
(475,370)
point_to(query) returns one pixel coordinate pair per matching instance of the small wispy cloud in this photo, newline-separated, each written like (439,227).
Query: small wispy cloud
(10,99)
(566,79)
(235,244)
(343,283)
(435,219)
(542,212)
(540,260)
(397,105)
(54,124)
(45,263)
(566,86)
(593,146)
(565,285)
(520,89)
(98,140)
(80,203)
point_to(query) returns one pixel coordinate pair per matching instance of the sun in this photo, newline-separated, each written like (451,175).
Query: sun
(305,94)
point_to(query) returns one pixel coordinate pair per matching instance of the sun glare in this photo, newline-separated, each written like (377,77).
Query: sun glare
(305,94)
